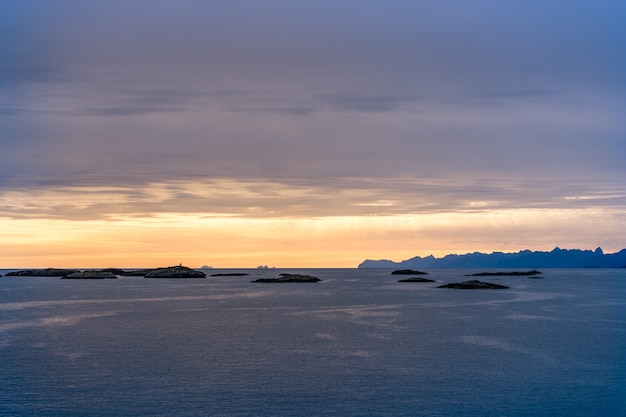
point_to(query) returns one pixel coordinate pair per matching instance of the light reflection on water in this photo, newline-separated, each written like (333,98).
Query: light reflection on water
(356,344)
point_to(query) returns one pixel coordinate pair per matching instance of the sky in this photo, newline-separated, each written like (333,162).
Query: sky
(145,133)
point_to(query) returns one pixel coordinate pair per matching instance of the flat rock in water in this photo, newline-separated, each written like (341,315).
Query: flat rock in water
(175,272)
(416,279)
(408,272)
(126,273)
(90,275)
(114,271)
(474,285)
(48,272)
(137,272)
(289,278)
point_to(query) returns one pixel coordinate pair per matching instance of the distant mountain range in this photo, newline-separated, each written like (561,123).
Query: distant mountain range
(557,258)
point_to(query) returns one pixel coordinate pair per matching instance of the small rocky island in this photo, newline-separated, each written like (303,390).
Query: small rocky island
(416,279)
(125,273)
(175,272)
(89,274)
(48,272)
(474,285)
(506,274)
(408,272)
(289,278)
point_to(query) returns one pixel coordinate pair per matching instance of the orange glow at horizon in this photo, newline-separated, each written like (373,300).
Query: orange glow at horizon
(341,241)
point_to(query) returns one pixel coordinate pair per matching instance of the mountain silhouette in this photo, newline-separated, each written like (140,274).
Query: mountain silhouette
(557,258)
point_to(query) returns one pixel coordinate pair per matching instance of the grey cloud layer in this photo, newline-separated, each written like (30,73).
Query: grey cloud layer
(419,47)
(129,93)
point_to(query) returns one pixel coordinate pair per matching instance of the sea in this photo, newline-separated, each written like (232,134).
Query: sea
(358,343)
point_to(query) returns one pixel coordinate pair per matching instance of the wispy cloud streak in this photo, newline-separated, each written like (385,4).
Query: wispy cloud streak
(302,199)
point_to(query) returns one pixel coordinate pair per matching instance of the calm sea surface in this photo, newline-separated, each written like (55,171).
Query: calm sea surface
(356,344)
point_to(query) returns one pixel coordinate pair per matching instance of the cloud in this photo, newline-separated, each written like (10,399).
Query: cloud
(514,94)
(309,109)
(202,137)
(326,197)
(368,103)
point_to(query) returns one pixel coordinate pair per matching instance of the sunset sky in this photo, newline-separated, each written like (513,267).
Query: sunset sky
(144,133)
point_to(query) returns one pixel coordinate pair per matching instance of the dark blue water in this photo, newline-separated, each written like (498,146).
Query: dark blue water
(356,344)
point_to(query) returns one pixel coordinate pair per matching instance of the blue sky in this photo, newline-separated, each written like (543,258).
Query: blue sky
(318,112)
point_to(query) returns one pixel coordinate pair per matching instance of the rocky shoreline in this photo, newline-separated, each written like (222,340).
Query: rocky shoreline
(474,285)
(175,272)
(416,279)
(288,278)
(180,271)
(48,272)
(408,272)
(90,275)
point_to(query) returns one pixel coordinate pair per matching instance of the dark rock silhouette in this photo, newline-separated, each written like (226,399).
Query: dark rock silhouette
(90,275)
(115,271)
(125,273)
(289,278)
(408,272)
(505,274)
(48,272)
(175,272)
(474,285)
(137,273)
(416,279)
